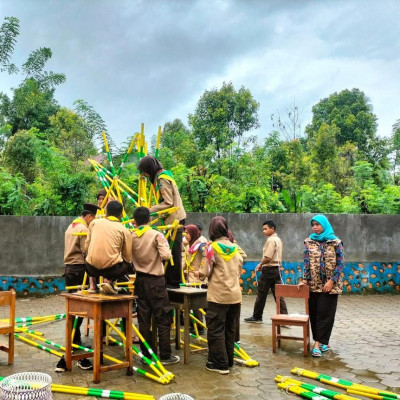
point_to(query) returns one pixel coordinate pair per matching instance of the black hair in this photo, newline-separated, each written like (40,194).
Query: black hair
(270,223)
(150,165)
(141,215)
(87,212)
(199,226)
(114,208)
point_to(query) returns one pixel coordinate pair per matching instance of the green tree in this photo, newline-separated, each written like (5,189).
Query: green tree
(180,142)
(324,152)
(29,108)
(68,132)
(13,194)
(19,154)
(221,116)
(395,151)
(9,30)
(33,69)
(351,112)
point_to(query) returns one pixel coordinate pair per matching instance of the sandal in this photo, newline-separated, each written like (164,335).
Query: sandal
(316,352)
(324,347)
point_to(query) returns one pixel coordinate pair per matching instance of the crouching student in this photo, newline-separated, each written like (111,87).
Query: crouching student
(149,249)
(224,296)
(108,248)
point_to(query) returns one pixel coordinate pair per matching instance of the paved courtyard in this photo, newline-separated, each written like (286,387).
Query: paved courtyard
(365,343)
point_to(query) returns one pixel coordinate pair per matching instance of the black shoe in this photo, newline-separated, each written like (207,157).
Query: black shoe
(61,365)
(84,364)
(170,360)
(253,320)
(212,367)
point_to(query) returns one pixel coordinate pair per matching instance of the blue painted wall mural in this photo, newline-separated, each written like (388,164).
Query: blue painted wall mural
(357,277)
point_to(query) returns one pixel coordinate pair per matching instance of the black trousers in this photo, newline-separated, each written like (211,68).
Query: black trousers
(221,323)
(322,315)
(73,276)
(153,300)
(119,271)
(173,273)
(270,276)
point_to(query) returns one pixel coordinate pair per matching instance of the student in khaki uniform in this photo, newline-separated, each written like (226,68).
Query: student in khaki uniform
(195,255)
(168,196)
(194,259)
(270,272)
(224,296)
(108,246)
(149,249)
(74,260)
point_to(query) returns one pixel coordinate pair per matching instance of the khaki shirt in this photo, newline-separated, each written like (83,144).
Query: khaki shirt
(170,198)
(223,277)
(148,252)
(273,250)
(194,262)
(108,243)
(74,246)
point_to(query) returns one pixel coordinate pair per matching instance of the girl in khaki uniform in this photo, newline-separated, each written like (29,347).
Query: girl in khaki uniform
(194,259)
(195,255)
(224,296)
(167,195)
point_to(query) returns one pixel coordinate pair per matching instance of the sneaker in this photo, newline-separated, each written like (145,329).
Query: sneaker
(107,288)
(61,365)
(253,320)
(212,367)
(84,364)
(170,360)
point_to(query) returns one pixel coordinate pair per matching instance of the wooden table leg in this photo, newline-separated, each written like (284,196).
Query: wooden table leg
(98,340)
(186,310)
(68,340)
(177,327)
(128,344)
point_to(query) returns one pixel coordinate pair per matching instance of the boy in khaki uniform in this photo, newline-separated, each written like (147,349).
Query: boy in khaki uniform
(108,246)
(74,260)
(149,249)
(270,272)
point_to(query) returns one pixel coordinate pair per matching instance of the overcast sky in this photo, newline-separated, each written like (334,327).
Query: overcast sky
(150,61)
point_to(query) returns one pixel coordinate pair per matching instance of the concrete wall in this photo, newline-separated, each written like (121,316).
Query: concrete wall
(366,238)
(32,248)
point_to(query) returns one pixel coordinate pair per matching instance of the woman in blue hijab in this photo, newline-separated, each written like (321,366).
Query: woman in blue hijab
(323,265)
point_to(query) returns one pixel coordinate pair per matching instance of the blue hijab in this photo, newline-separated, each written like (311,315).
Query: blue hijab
(327,233)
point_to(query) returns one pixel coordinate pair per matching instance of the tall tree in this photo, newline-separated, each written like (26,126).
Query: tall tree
(289,125)
(180,141)
(351,112)
(223,115)
(30,107)
(395,147)
(33,69)
(9,30)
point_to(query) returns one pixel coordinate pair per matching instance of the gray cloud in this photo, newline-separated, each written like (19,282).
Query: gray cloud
(150,61)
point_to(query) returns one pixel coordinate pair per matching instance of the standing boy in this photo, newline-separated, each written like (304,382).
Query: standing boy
(74,260)
(270,271)
(149,249)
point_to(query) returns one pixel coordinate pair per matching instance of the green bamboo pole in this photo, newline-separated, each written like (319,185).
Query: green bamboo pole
(331,394)
(343,383)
